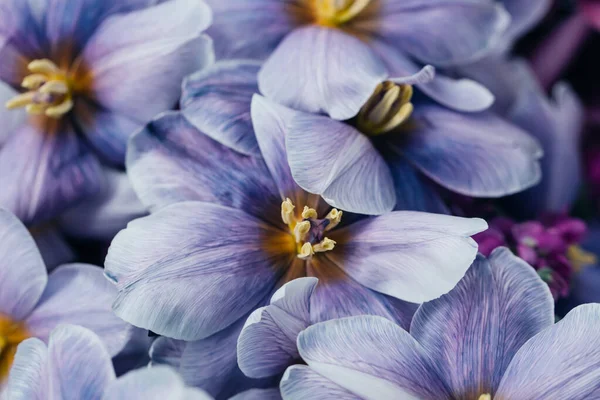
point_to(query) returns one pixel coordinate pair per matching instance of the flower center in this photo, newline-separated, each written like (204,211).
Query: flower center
(308,230)
(49,91)
(387,108)
(486,396)
(334,13)
(11,334)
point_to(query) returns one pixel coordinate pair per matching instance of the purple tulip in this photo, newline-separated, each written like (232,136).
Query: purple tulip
(493,336)
(83,69)
(226,230)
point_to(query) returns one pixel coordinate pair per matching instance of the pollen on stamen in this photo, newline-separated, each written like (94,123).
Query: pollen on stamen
(306,251)
(49,91)
(287,211)
(388,108)
(309,213)
(325,245)
(334,13)
(335,217)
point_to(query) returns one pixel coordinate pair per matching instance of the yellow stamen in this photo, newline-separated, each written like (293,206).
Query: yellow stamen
(388,107)
(486,396)
(61,109)
(54,87)
(33,81)
(337,12)
(301,230)
(306,251)
(50,91)
(309,213)
(325,245)
(287,211)
(43,66)
(580,258)
(20,101)
(334,217)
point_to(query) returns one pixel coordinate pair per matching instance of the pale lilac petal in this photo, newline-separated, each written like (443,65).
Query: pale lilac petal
(300,382)
(478,155)
(473,331)
(439,32)
(79,294)
(372,358)
(29,371)
(166,351)
(139,74)
(46,169)
(560,362)
(412,256)
(258,394)
(557,123)
(457,94)
(269,120)
(332,159)
(249,28)
(11,119)
(171,161)
(23,274)
(69,25)
(216,100)
(79,367)
(322,70)
(156,383)
(224,274)
(107,131)
(338,295)
(102,217)
(267,343)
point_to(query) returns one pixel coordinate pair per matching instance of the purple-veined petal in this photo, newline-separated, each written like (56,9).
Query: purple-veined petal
(473,331)
(28,374)
(322,70)
(457,94)
(216,100)
(11,119)
(45,168)
(267,342)
(79,367)
(103,216)
(269,120)
(300,382)
(69,25)
(557,123)
(107,131)
(338,295)
(23,274)
(79,294)
(439,32)
(372,358)
(478,155)
(332,159)
(412,256)
(185,271)
(171,161)
(156,383)
(560,362)
(258,394)
(139,74)
(249,28)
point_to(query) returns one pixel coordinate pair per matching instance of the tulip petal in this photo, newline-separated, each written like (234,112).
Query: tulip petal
(121,67)
(300,382)
(23,275)
(216,100)
(412,256)
(311,71)
(79,294)
(562,360)
(194,296)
